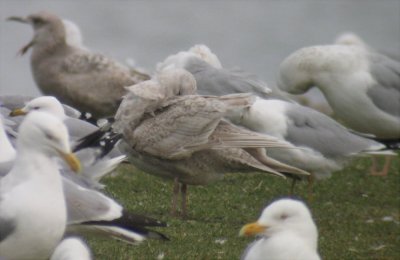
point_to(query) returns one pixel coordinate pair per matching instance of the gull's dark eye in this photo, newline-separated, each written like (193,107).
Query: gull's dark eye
(49,136)
(283,216)
(37,21)
(36,108)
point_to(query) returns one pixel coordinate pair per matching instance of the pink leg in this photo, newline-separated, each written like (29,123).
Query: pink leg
(184,200)
(175,197)
(311,180)
(374,168)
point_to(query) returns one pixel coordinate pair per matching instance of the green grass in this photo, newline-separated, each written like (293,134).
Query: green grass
(349,209)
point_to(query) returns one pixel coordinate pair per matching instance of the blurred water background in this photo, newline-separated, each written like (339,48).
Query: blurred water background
(253,35)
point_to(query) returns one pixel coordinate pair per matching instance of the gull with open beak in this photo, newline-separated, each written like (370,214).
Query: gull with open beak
(286,231)
(33,212)
(79,77)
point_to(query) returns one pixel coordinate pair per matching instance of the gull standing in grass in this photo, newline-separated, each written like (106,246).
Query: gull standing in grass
(85,80)
(316,142)
(286,230)
(32,206)
(89,211)
(361,85)
(71,248)
(171,132)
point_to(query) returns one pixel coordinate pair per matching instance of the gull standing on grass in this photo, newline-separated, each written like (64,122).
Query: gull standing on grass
(318,144)
(89,211)
(85,80)
(360,84)
(286,230)
(33,213)
(171,132)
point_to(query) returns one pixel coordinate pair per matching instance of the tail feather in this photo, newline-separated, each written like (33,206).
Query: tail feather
(130,227)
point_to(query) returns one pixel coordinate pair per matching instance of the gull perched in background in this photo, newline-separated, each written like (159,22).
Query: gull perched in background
(361,85)
(171,132)
(33,213)
(286,231)
(85,80)
(71,248)
(212,78)
(316,142)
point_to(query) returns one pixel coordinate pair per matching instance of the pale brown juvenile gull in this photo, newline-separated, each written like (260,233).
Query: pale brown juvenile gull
(87,81)
(176,134)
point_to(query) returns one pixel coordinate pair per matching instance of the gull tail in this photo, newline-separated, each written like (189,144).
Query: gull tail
(390,144)
(130,228)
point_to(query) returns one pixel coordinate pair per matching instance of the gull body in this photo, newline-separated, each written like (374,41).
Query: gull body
(171,132)
(32,205)
(85,80)
(318,144)
(361,85)
(88,210)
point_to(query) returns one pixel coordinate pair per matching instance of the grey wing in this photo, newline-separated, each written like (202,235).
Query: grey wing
(7,227)
(88,205)
(310,128)
(213,81)
(5,167)
(386,93)
(78,128)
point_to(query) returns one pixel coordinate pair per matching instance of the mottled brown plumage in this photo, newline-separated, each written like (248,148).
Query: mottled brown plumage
(88,81)
(185,137)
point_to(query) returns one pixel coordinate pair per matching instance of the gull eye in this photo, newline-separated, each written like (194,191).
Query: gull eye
(283,216)
(50,136)
(37,21)
(36,108)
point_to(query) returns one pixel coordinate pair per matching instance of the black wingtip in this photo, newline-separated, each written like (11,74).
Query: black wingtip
(103,138)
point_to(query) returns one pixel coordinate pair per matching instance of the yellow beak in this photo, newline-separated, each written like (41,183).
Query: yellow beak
(252,229)
(18,112)
(72,161)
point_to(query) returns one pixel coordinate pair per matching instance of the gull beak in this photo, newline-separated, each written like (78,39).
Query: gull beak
(71,160)
(18,19)
(18,112)
(24,49)
(252,229)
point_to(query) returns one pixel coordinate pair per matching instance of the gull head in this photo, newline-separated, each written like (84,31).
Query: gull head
(351,39)
(295,73)
(44,133)
(177,82)
(46,104)
(284,215)
(204,52)
(323,66)
(48,29)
